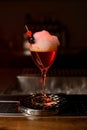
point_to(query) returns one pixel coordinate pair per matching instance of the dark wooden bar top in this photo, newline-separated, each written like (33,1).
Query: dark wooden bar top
(47,123)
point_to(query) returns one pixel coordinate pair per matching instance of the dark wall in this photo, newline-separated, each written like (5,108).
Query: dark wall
(72,13)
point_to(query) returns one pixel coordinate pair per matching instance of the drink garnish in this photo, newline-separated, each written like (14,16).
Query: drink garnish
(29,35)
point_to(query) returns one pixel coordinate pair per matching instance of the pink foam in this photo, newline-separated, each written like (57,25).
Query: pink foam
(44,41)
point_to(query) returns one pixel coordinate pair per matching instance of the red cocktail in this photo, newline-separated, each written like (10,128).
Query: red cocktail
(43,53)
(43,59)
(43,47)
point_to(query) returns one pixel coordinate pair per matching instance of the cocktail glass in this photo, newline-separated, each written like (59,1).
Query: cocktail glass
(43,103)
(43,61)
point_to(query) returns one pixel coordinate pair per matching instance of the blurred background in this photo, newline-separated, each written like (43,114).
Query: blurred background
(65,18)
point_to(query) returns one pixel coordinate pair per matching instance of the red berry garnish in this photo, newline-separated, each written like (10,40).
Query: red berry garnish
(29,33)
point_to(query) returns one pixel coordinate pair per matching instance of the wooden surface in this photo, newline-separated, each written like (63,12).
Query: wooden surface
(45,123)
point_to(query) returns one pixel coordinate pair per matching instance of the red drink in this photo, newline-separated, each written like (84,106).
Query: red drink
(43,47)
(43,59)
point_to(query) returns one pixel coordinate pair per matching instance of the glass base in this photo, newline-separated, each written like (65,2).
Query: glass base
(38,105)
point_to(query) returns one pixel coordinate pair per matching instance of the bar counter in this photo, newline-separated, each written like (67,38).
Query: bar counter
(22,122)
(46,123)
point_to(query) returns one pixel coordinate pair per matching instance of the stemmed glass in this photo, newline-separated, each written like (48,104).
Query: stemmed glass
(42,103)
(43,60)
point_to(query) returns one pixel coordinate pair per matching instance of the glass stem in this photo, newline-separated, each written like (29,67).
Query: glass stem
(44,72)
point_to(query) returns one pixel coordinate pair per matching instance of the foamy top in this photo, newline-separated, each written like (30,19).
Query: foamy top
(44,42)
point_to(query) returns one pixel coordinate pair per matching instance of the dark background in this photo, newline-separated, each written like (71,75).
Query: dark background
(67,18)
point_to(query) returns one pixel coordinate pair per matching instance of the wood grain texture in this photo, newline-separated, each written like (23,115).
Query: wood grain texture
(46,123)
